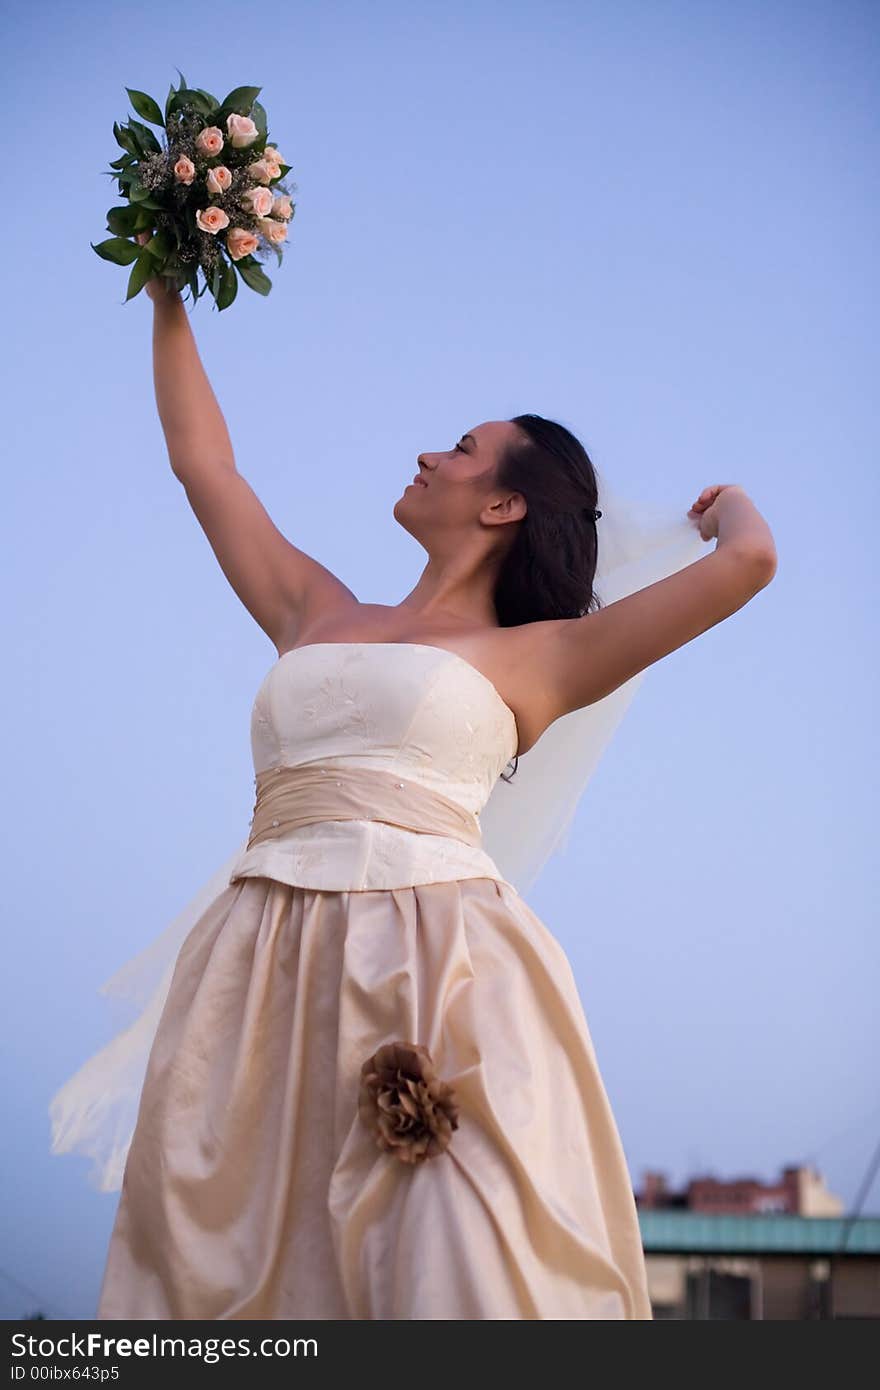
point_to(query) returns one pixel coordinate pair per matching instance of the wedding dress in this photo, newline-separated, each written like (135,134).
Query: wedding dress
(365,908)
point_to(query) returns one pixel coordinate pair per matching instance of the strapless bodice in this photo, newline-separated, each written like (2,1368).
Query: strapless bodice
(421,712)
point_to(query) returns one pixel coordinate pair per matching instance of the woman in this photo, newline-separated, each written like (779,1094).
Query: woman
(371,1090)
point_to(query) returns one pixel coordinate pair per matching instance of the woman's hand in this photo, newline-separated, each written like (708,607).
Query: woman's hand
(705,510)
(160,290)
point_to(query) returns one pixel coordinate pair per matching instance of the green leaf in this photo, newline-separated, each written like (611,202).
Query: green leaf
(159,246)
(125,138)
(145,106)
(211,101)
(172,92)
(124,221)
(141,196)
(228,287)
(117,250)
(240,100)
(202,102)
(144,137)
(258,116)
(253,275)
(189,96)
(141,272)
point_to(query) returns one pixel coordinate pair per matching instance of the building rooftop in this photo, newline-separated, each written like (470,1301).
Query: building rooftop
(689,1231)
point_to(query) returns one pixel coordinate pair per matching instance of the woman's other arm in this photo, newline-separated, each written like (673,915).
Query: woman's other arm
(585,659)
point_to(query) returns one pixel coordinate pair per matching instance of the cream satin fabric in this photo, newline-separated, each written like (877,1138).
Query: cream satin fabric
(417,713)
(290,797)
(254,1190)
(372,716)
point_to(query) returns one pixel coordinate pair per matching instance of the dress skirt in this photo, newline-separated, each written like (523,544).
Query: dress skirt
(255,1188)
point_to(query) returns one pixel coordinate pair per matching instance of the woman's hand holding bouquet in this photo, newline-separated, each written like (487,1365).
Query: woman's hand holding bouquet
(206,199)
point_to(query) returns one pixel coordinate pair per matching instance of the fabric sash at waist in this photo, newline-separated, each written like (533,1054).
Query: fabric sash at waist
(288,797)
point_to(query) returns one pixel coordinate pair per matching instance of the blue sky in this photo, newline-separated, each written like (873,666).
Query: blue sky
(655,223)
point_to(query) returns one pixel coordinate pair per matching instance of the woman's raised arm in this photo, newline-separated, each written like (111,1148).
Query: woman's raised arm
(277,583)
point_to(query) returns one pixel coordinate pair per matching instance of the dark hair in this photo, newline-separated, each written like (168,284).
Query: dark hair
(548,571)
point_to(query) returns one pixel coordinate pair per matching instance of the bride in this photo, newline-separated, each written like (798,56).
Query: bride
(361,1083)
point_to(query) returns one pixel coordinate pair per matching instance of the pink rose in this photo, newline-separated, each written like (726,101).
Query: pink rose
(240,243)
(273,231)
(282,206)
(274,156)
(258,201)
(263,170)
(184,170)
(210,140)
(218,179)
(211,220)
(241,130)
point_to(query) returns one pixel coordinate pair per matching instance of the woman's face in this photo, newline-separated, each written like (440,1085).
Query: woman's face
(456,491)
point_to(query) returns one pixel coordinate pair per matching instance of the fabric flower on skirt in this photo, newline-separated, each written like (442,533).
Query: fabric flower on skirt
(404,1103)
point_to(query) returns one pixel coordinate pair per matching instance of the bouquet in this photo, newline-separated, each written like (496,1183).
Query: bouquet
(210,196)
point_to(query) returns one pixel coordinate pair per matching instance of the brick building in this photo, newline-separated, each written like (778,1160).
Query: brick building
(800,1191)
(745,1249)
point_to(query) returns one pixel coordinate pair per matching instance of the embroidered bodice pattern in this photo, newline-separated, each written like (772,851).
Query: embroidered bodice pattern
(422,712)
